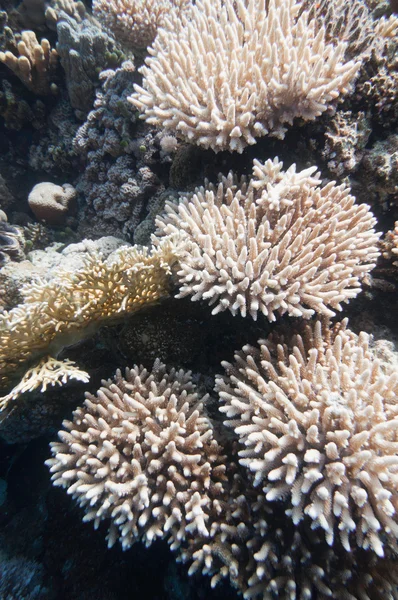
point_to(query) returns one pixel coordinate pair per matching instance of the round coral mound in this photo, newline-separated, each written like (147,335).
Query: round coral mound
(141,454)
(276,244)
(317,416)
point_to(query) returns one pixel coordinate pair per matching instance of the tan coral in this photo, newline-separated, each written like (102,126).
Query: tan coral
(277,244)
(72,306)
(36,64)
(141,454)
(135,22)
(47,372)
(266,556)
(72,8)
(236,71)
(317,417)
(52,203)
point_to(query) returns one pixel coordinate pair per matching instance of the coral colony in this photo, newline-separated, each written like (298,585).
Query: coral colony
(281,476)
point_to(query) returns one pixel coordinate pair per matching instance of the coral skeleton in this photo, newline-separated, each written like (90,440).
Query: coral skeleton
(278,243)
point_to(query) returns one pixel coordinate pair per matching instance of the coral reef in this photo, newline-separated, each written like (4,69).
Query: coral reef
(17,112)
(274,245)
(84,50)
(345,142)
(377,82)
(115,184)
(277,479)
(379,172)
(11,243)
(72,8)
(390,245)
(6,198)
(22,579)
(205,81)
(300,408)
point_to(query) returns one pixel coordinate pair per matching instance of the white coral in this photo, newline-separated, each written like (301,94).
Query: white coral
(233,71)
(317,416)
(277,244)
(141,454)
(135,22)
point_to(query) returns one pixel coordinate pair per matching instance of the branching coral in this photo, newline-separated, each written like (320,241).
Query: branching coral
(277,244)
(142,454)
(135,22)
(71,8)
(235,71)
(316,415)
(59,312)
(36,64)
(265,556)
(349,22)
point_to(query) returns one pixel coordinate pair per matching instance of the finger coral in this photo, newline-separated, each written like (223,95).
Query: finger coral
(62,311)
(317,417)
(35,65)
(141,454)
(279,243)
(234,71)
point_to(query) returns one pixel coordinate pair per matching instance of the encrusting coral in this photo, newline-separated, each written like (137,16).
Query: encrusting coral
(279,243)
(235,71)
(142,454)
(316,415)
(62,311)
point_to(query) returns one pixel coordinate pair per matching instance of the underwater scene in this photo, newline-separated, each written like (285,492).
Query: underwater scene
(198,299)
